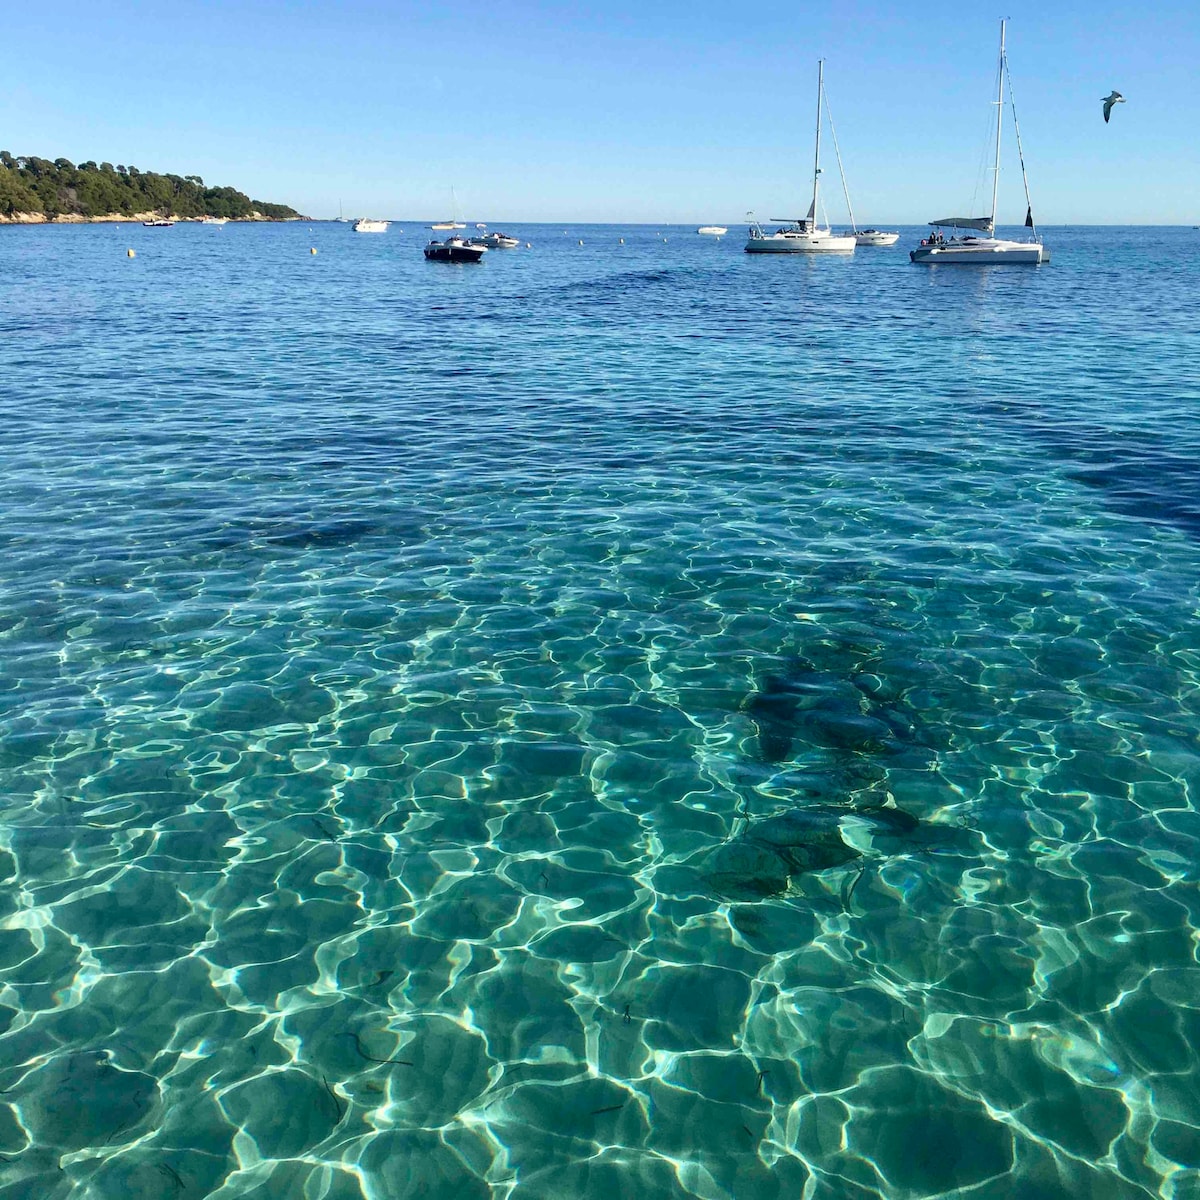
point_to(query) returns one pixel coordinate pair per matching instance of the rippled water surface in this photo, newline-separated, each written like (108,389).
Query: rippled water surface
(628,720)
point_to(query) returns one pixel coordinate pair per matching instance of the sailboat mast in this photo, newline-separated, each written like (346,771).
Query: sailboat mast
(817,153)
(1012,99)
(841,169)
(999,119)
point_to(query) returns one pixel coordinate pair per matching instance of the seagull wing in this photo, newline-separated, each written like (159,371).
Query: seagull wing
(1107,108)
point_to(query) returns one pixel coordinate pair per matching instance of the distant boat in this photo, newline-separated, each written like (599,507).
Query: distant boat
(365,225)
(862,237)
(214,220)
(715,230)
(453,222)
(158,223)
(455,250)
(802,235)
(987,250)
(875,237)
(496,241)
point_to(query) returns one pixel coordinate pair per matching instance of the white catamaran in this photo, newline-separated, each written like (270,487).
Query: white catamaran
(969,248)
(802,235)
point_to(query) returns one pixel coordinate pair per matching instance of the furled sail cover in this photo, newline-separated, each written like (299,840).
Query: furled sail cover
(983,224)
(1029,217)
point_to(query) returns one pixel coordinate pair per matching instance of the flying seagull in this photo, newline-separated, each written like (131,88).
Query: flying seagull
(1109,101)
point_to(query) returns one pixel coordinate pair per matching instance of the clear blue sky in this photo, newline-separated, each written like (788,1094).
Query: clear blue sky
(628,111)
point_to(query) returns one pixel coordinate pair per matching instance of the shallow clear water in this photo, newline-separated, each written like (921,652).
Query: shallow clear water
(396,657)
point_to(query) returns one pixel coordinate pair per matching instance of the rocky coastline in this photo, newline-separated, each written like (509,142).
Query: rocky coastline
(37,218)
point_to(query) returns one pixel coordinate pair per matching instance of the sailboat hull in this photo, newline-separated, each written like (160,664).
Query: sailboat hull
(799,242)
(986,252)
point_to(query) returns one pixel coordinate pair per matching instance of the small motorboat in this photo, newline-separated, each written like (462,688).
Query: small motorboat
(366,225)
(496,241)
(714,230)
(455,250)
(214,220)
(875,237)
(158,223)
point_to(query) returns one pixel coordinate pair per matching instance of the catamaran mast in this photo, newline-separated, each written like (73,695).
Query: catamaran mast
(817,154)
(999,118)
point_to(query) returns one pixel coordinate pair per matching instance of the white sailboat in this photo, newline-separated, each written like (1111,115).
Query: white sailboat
(802,235)
(968,248)
(454,222)
(862,237)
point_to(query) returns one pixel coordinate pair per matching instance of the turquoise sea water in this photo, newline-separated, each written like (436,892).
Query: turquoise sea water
(435,702)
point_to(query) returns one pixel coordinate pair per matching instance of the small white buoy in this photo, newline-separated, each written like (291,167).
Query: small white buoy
(528,245)
(622,241)
(581,241)
(131,253)
(312,250)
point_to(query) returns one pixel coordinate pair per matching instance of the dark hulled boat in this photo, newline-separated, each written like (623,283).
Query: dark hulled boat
(456,250)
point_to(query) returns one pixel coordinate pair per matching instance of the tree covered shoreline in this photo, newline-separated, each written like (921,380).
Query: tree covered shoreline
(58,188)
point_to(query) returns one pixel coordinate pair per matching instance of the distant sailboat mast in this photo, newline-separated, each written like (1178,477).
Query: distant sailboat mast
(1029,222)
(999,126)
(841,170)
(812,215)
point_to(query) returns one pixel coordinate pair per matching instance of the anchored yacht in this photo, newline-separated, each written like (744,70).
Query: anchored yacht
(802,235)
(965,246)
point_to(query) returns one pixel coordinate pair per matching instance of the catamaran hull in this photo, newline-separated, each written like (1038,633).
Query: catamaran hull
(985,254)
(800,243)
